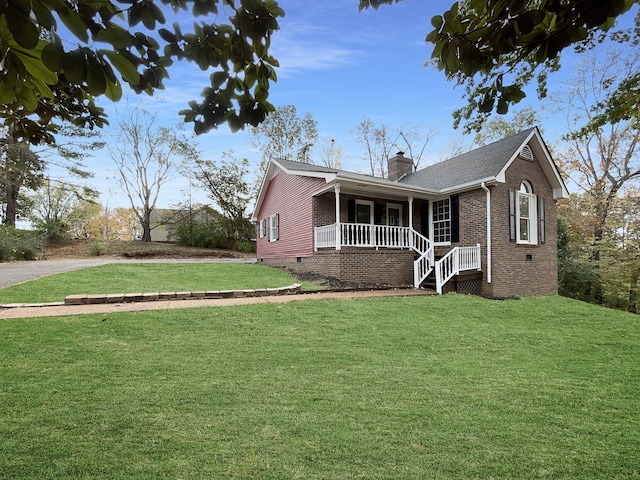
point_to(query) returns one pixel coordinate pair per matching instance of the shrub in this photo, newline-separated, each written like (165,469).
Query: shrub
(98,248)
(201,235)
(245,246)
(20,244)
(56,230)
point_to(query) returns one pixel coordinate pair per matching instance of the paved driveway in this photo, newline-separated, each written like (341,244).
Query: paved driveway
(13,273)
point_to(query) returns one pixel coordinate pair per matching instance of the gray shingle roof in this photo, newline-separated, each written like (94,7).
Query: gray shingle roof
(481,163)
(305,167)
(309,167)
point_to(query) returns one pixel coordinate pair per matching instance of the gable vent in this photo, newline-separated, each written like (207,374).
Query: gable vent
(526,153)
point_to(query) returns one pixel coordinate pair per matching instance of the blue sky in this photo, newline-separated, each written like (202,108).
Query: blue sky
(340,65)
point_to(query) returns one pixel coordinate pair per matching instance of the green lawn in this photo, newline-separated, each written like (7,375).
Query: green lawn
(149,277)
(432,387)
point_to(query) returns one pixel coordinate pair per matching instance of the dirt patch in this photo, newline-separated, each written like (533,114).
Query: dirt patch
(336,284)
(86,248)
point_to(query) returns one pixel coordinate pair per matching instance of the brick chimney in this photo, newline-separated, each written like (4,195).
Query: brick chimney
(399,166)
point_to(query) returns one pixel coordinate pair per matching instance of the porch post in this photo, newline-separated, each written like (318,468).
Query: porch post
(411,222)
(411,213)
(338,235)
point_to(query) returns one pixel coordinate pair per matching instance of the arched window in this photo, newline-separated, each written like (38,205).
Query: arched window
(526,214)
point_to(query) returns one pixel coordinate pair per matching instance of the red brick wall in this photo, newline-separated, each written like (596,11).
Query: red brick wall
(290,196)
(513,273)
(355,266)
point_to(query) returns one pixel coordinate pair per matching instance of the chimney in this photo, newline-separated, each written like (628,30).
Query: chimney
(399,166)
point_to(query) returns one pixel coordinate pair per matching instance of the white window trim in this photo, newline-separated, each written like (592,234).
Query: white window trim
(399,207)
(365,202)
(274,227)
(432,222)
(262,228)
(533,215)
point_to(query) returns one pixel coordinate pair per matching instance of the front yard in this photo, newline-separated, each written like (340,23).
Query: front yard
(430,387)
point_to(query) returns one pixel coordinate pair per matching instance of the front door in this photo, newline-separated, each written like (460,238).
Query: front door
(394,215)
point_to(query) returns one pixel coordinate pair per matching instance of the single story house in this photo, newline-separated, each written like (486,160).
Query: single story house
(483,222)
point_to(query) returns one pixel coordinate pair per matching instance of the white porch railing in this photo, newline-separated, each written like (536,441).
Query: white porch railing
(455,261)
(362,235)
(423,266)
(380,236)
(325,236)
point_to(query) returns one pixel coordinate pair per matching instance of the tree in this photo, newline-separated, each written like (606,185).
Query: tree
(330,156)
(146,156)
(501,127)
(48,78)
(226,184)
(56,206)
(494,48)
(19,168)
(378,142)
(604,160)
(415,141)
(284,134)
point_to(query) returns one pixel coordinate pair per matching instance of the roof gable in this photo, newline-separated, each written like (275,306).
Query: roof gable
(482,164)
(487,164)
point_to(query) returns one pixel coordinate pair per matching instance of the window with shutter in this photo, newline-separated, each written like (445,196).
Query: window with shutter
(526,212)
(274,227)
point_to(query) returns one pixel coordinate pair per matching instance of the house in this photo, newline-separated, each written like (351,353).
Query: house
(483,222)
(164,222)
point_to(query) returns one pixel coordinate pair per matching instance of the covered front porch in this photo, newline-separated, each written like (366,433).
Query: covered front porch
(390,222)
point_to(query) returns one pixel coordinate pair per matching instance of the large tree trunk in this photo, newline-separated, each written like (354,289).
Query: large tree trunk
(146,226)
(12,199)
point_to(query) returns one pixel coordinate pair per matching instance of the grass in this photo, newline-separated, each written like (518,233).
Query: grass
(150,277)
(446,387)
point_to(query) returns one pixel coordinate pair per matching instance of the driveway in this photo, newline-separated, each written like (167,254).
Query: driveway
(13,273)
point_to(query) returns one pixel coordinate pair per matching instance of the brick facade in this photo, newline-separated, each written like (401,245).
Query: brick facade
(517,269)
(522,269)
(362,267)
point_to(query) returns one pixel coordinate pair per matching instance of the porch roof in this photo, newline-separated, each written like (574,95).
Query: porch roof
(355,182)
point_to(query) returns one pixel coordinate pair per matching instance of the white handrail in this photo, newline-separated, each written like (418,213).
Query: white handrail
(457,260)
(380,236)
(324,236)
(423,265)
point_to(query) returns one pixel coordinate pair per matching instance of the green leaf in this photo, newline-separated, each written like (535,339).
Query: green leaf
(166,35)
(75,66)
(52,57)
(529,20)
(24,32)
(34,65)
(218,78)
(115,35)
(96,81)
(44,15)
(503,106)
(113,91)
(73,22)
(124,66)
(27,97)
